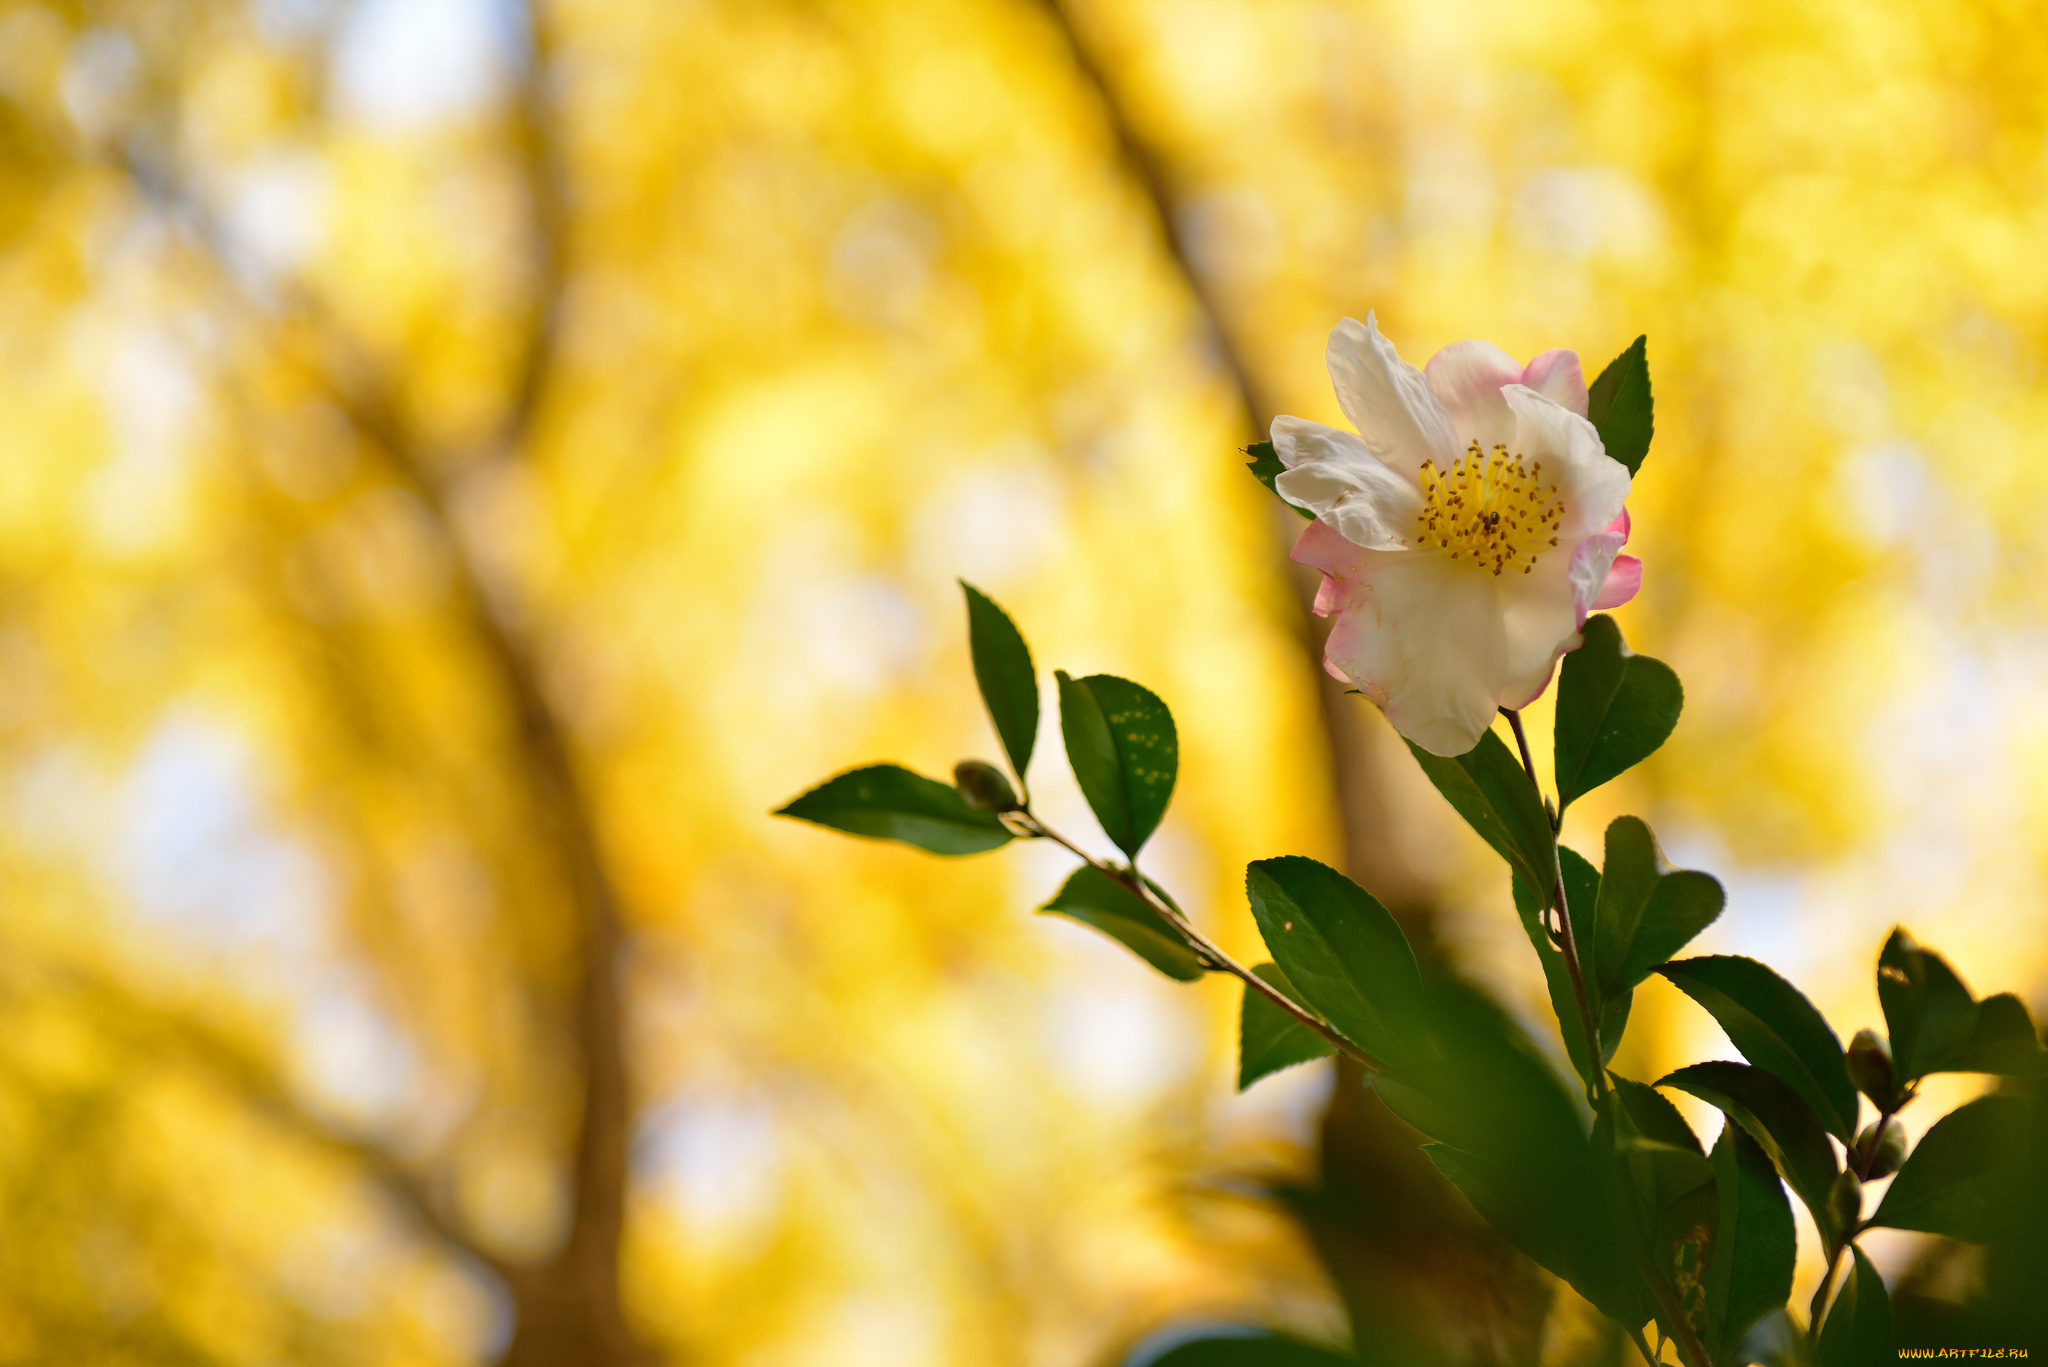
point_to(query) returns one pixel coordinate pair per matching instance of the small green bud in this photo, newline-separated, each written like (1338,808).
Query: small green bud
(1882,1145)
(984,786)
(1845,1203)
(1870,1067)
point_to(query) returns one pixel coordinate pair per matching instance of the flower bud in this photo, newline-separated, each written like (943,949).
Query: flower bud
(1845,1203)
(1882,1145)
(1870,1067)
(984,786)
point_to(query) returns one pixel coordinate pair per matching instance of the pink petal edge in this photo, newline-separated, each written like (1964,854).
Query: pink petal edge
(1624,579)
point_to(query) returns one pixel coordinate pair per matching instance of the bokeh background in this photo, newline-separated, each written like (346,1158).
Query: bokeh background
(463,464)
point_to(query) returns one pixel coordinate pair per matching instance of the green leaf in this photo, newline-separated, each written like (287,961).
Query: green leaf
(1259,1349)
(888,802)
(2003,1042)
(1009,683)
(1266,467)
(1268,1039)
(1097,900)
(1582,892)
(1518,1214)
(1777,1029)
(1342,951)
(1858,1329)
(1749,1267)
(1960,1181)
(1125,752)
(1614,708)
(1773,1341)
(1653,1117)
(1648,911)
(1621,408)
(1776,1117)
(1488,787)
(1520,1143)
(1930,1013)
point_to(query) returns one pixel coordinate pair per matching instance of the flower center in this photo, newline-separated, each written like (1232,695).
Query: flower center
(1490,511)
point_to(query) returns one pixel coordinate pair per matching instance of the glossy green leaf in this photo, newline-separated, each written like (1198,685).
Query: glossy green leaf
(1342,951)
(1582,891)
(1003,669)
(1777,1118)
(889,802)
(1614,708)
(1749,1267)
(1252,1349)
(1621,407)
(1777,1029)
(1268,1039)
(1960,1180)
(1488,787)
(1125,752)
(1858,1328)
(1648,911)
(2004,1040)
(1098,901)
(1266,467)
(1929,1012)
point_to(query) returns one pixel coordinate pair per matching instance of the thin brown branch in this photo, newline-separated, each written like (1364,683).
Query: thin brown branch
(1211,954)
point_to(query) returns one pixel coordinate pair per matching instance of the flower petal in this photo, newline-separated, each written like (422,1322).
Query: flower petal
(1620,524)
(1322,547)
(1424,641)
(1541,612)
(1557,377)
(1387,399)
(1466,378)
(1592,483)
(1333,475)
(1624,580)
(1591,562)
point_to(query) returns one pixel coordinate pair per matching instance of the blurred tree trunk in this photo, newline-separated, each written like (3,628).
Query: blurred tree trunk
(1419,1273)
(567,1305)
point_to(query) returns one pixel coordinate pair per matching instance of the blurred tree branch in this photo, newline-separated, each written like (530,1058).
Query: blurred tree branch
(568,1306)
(1372,856)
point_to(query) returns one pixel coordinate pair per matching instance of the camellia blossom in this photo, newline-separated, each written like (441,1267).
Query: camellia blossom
(1464,531)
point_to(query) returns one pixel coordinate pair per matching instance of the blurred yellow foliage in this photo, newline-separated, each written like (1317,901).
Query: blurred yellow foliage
(462,467)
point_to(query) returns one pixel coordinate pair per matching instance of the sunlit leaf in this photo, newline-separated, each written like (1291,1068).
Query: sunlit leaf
(1648,911)
(1858,1329)
(1961,1178)
(1749,1268)
(1266,467)
(1620,405)
(1125,753)
(1003,669)
(1777,1118)
(1268,1039)
(1095,899)
(1930,1013)
(1777,1029)
(1489,788)
(1342,951)
(1582,891)
(1614,708)
(889,802)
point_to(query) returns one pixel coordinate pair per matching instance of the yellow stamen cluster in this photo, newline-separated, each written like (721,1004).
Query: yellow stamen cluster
(1491,512)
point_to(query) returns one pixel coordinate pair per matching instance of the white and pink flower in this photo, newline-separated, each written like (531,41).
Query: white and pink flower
(1464,531)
